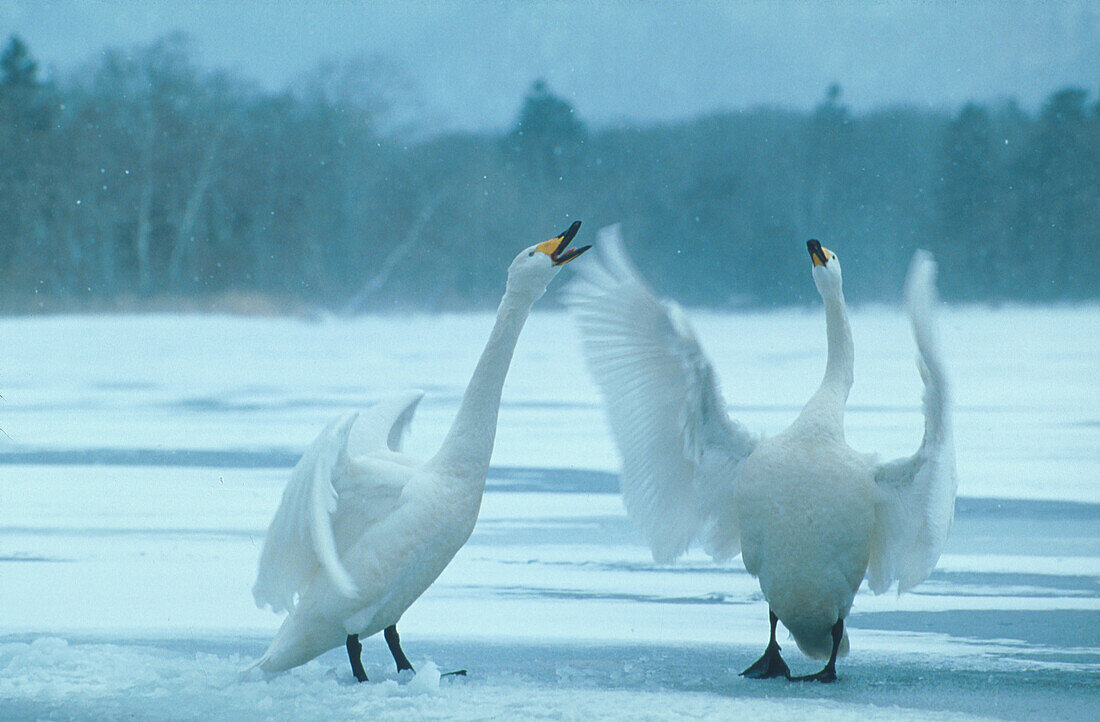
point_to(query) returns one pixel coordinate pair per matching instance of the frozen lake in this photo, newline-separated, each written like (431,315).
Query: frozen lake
(142,457)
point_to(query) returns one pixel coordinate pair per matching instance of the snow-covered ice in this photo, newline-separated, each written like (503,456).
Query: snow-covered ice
(142,457)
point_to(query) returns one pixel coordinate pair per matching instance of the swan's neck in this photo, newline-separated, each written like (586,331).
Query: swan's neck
(468,446)
(826,406)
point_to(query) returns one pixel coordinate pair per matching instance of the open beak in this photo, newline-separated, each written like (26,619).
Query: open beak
(820,256)
(556,247)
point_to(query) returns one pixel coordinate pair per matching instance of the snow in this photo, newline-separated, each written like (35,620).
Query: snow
(125,565)
(204,686)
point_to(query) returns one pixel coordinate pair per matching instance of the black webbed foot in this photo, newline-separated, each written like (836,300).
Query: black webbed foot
(393,641)
(826,675)
(769,666)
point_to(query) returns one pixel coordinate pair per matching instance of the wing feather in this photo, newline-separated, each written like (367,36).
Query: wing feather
(323,502)
(348,478)
(679,449)
(917,502)
(300,537)
(385,424)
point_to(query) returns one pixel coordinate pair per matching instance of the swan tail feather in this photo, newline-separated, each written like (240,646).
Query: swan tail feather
(296,643)
(819,644)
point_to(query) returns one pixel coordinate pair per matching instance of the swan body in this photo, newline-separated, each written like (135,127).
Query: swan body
(810,516)
(807,512)
(362,529)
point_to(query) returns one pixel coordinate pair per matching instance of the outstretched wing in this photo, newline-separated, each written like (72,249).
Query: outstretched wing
(327,479)
(917,503)
(680,451)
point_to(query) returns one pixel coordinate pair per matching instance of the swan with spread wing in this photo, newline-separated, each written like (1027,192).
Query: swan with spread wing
(810,516)
(362,529)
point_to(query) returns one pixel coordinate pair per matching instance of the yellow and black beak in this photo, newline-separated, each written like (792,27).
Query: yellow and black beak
(819,255)
(555,247)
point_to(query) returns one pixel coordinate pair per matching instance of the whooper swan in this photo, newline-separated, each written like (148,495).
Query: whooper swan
(810,516)
(362,529)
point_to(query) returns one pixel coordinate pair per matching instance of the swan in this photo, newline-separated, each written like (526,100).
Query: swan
(362,529)
(811,517)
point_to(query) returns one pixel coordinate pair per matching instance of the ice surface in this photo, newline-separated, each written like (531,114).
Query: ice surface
(126,563)
(1024,383)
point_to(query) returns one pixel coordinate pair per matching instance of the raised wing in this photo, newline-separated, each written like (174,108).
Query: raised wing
(300,537)
(680,451)
(385,424)
(917,503)
(335,491)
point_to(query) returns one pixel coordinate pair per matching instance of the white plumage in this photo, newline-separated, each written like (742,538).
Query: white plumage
(302,537)
(919,490)
(362,529)
(679,449)
(810,516)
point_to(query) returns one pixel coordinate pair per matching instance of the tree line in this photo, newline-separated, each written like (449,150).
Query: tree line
(141,180)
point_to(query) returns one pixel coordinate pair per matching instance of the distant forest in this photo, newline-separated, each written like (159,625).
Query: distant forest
(142,181)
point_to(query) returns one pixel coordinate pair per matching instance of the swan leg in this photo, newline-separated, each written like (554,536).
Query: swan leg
(771,664)
(355,650)
(829,673)
(394,643)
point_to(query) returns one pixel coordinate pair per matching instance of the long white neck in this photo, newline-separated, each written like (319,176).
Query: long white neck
(826,406)
(468,446)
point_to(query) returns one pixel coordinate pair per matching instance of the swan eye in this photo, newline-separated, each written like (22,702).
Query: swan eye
(531,254)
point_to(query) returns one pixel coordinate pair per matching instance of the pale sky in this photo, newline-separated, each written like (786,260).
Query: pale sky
(471,62)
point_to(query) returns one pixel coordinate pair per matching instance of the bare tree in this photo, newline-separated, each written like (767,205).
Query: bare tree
(185,224)
(396,254)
